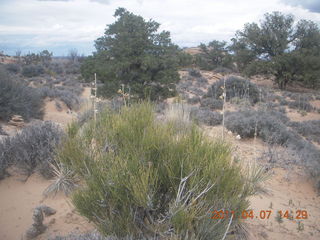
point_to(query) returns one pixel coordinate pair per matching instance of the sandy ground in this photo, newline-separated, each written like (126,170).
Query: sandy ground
(19,198)
(288,188)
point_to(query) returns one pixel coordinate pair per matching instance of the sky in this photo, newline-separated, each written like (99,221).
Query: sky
(61,25)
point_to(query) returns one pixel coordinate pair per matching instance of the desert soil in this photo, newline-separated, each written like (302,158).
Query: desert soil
(288,188)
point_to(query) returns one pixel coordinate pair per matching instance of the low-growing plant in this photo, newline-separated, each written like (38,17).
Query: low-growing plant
(32,149)
(212,103)
(267,125)
(4,164)
(194,72)
(85,236)
(13,68)
(32,70)
(18,99)
(196,91)
(235,87)
(145,178)
(309,129)
(206,116)
(64,181)
(193,100)
(301,105)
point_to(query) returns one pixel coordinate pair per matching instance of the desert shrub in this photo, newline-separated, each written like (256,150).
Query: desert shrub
(33,148)
(56,68)
(235,87)
(71,99)
(267,125)
(241,102)
(84,236)
(17,98)
(4,163)
(298,96)
(207,117)
(301,105)
(183,85)
(154,176)
(196,91)
(194,72)
(193,100)
(307,154)
(212,103)
(13,68)
(73,68)
(32,70)
(283,102)
(308,129)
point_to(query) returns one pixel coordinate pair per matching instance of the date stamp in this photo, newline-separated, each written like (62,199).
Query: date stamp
(262,214)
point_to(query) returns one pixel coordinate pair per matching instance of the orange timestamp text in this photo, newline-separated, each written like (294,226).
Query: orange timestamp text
(262,214)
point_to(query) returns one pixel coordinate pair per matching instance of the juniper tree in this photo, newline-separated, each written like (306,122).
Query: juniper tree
(133,52)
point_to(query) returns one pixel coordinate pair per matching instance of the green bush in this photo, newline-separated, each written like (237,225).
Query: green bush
(145,178)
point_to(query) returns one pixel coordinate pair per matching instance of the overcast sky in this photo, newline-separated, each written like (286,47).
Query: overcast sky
(59,25)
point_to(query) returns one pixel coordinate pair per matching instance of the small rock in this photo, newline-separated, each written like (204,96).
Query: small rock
(48,211)
(38,227)
(238,137)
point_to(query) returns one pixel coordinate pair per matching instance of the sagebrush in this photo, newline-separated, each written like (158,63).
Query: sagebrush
(32,149)
(18,99)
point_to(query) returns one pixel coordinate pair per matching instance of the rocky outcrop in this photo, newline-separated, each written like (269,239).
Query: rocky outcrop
(38,216)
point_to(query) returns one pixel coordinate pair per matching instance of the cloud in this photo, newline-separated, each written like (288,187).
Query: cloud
(62,24)
(312,5)
(54,0)
(101,1)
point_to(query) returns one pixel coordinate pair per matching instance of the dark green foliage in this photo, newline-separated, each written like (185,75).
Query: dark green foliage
(143,170)
(214,55)
(279,47)
(205,116)
(235,87)
(32,70)
(44,57)
(185,59)
(32,149)
(17,98)
(133,53)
